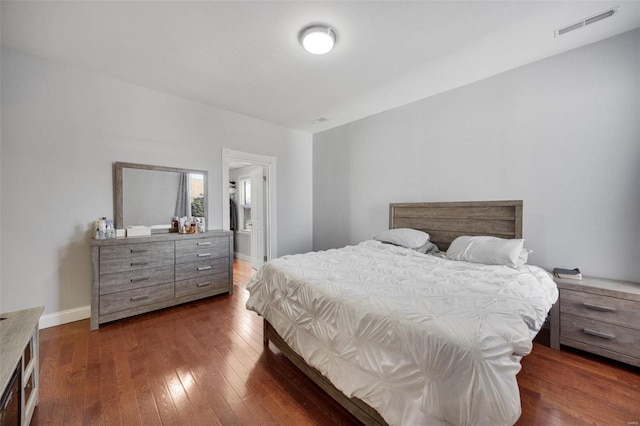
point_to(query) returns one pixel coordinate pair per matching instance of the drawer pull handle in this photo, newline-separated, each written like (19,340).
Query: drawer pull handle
(598,307)
(137,298)
(139,263)
(207,243)
(204,268)
(139,250)
(599,334)
(203,284)
(135,280)
(204,254)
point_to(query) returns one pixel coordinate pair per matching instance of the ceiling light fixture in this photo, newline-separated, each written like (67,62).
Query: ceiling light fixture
(318,39)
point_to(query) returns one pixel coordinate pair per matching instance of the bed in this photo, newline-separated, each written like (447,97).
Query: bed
(401,337)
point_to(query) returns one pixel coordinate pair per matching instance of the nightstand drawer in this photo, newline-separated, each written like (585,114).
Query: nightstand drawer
(612,337)
(602,308)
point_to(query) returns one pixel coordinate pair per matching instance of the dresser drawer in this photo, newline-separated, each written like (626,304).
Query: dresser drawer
(215,244)
(200,254)
(186,271)
(125,300)
(612,337)
(111,283)
(211,284)
(160,249)
(133,264)
(602,308)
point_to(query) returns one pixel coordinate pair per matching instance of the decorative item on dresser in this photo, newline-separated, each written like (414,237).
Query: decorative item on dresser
(600,316)
(19,358)
(135,275)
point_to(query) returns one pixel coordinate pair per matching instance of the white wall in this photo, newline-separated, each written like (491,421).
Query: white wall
(62,129)
(562,134)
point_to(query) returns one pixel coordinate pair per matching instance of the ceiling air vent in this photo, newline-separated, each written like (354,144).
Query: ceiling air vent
(586,21)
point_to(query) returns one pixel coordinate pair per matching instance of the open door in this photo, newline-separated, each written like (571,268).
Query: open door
(268,212)
(257,218)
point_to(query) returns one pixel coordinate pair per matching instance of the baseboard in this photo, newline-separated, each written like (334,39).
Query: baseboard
(63,317)
(242,257)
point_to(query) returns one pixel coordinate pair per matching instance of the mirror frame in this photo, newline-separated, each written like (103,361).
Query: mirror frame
(118,188)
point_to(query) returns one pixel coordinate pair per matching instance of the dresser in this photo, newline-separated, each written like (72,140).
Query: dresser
(134,275)
(19,358)
(599,316)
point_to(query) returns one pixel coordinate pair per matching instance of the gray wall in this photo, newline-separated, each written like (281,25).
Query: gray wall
(63,128)
(562,134)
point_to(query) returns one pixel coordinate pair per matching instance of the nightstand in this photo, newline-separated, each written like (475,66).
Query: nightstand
(600,316)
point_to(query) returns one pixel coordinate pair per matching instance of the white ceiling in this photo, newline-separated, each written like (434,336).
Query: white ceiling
(245,56)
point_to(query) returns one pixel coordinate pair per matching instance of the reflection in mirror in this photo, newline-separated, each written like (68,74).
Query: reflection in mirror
(153,195)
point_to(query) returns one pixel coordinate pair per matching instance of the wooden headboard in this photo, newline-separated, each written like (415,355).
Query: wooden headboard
(445,221)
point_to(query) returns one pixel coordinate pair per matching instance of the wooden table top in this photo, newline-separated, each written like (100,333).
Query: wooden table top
(16,329)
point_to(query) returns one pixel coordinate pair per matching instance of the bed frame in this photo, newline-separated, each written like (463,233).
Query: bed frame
(444,221)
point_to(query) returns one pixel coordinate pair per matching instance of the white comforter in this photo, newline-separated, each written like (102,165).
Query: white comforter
(422,339)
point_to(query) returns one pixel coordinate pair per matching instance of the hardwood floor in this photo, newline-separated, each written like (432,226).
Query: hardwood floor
(204,363)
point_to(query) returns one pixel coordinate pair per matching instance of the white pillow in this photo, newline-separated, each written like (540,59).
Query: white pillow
(524,257)
(405,237)
(486,250)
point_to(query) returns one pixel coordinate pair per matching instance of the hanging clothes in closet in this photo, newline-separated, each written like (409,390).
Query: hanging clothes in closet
(233,215)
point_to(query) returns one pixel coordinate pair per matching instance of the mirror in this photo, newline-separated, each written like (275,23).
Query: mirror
(153,195)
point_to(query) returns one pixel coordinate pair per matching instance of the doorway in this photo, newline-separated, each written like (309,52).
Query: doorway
(248,204)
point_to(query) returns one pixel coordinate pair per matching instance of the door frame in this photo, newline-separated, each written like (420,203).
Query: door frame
(269,165)
(258,192)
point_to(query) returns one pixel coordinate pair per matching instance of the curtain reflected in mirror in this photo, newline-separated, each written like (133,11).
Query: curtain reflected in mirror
(183,205)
